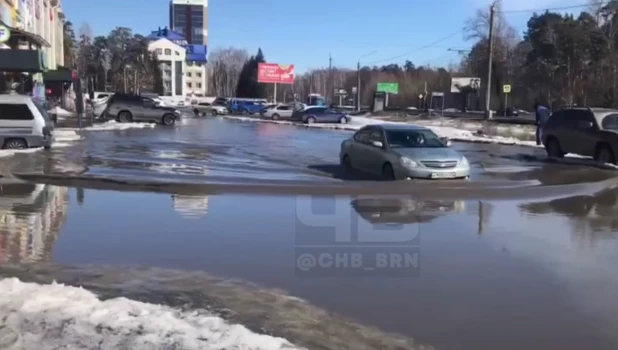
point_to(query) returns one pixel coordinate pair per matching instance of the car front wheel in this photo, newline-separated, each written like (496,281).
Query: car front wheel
(604,154)
(553,148)
(168,120)
(388,173)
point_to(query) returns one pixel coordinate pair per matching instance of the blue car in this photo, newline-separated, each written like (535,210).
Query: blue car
(320,114)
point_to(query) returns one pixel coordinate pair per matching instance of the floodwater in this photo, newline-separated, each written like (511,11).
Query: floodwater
(535,272)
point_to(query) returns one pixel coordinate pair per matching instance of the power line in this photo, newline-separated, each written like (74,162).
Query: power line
(556,8)
(418,49)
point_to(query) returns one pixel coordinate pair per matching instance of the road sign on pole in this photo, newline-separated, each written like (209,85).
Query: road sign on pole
(506,89)
(389,88)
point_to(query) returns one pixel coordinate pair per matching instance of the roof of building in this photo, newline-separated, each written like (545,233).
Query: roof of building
(165,33)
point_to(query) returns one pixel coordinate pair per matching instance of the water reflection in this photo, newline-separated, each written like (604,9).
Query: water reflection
(592,217)
(190,207)
(31,216)
(404,210)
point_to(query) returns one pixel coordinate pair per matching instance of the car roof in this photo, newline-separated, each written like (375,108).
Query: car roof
(395,126)
(15,98)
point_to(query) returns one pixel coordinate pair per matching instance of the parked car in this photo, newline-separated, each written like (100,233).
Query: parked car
(126,108)
(278,112)
(591,132)
(205,108)
(397,152)
(24,123)
(320,114)
(249,107)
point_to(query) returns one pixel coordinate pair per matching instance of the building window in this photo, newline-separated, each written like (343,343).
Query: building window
(189,74)
(198,64)
(190,64)
(177,53)
(199,85)
(199,75)
(189,85)
(168,52)
(159,51)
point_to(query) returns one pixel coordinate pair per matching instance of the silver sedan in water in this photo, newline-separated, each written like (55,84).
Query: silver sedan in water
(395,152)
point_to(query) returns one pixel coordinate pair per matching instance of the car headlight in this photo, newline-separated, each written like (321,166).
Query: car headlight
(408,163)
(464,161)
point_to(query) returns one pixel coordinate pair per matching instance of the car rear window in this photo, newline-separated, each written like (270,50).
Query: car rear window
(610,122)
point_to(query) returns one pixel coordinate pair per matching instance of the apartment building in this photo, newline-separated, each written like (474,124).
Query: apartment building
(190,18)
(193,74)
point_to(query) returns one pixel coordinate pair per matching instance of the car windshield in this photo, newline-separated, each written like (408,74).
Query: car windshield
(40,105)
(413,139)
(610,122)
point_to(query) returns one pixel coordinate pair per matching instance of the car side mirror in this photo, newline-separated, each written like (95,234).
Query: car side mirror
(446,141)
(377,144)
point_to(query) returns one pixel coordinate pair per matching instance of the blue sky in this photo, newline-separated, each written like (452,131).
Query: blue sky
(305,32)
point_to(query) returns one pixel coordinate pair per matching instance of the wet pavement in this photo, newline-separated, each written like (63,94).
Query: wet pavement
(533,272)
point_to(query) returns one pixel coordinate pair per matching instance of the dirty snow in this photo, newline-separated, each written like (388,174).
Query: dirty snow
(114,125)
(57,316)
(62,138)
(453,133)
(60,112)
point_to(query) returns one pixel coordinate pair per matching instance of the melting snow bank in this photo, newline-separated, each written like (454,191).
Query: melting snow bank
(453,133)
(63,138)
(76,316)
(60,112)
(114,125)
(57,316)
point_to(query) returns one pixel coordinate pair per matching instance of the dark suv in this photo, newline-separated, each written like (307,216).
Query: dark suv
(591,132)
(126,108)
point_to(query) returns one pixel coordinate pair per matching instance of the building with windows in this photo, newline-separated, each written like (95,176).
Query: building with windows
(35,45)
(190,18)
(172,60)
(192,76)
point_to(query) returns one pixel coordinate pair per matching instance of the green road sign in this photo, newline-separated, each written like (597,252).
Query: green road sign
(391,88)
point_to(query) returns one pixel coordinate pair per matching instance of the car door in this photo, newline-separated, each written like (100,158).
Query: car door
(357,150)
(146,109)
(285,111)
(375,155)
(585,133)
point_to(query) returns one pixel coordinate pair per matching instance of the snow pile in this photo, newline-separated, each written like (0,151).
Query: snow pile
(60,112)
(57,316)
(114,125)
(11,152)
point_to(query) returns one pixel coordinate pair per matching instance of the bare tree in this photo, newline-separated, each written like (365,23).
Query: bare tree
(225,67)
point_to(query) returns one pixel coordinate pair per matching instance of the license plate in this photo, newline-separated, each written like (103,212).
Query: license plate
(443,175)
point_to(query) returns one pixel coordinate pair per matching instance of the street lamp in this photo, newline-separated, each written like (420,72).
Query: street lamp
(358,77)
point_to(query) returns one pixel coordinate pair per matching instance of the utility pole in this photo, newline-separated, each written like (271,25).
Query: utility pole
(490,56)
(330,78)
(358,87)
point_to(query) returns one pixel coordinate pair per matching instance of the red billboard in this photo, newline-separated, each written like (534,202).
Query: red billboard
(276,73)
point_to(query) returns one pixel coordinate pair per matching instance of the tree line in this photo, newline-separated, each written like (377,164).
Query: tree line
(119,61)
(561,59)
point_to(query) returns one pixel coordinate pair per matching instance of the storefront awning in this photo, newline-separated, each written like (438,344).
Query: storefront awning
(60,75)
(29,37)
(22,61)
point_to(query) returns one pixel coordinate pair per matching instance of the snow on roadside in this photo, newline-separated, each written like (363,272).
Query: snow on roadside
(114,125)
(62,138)
(34,315)
(60,112)
(453,133)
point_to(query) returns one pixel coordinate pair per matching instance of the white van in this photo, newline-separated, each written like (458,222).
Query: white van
(24,123)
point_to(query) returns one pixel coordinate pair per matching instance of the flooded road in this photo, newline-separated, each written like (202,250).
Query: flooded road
(525,267)
(506,275)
